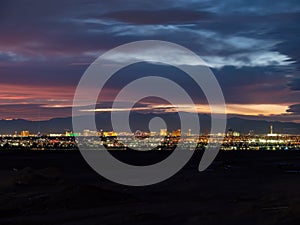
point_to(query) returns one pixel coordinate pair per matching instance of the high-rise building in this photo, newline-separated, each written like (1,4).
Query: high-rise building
(163,132)
(235,134)
(90,133)
(229,133)
(251,133)
(176,133)
(272,134)
(109,134)
(24,133)
(271,128)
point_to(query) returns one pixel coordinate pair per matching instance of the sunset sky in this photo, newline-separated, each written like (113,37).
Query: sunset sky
(251,46)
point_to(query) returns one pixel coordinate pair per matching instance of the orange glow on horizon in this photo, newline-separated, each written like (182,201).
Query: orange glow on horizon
(60,97)
(241,109)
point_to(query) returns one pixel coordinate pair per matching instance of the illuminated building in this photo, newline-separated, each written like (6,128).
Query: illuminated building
(251,133)
(271,128)
(55,135)
(24,133)
(71,134)
(163,132)
(235,134)
(109,134)
(271,134)
(152,133)
(141,134)
(229,133)
(176,133)
(90,133)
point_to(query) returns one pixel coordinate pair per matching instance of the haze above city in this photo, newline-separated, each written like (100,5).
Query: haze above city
(252,48)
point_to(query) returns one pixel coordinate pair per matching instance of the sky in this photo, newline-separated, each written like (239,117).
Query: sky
(252,47)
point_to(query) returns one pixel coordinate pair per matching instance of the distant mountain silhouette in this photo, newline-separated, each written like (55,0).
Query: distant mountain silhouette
(140,121)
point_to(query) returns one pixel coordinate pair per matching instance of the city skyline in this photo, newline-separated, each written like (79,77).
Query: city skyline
(149,112)
(144,141)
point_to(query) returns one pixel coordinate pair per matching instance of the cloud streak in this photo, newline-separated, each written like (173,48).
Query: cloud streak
(252,47)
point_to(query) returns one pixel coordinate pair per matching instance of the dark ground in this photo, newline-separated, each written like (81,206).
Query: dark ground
(239,188)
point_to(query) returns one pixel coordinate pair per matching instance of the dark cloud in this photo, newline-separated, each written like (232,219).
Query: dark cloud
(42,74)
(295,84)
(33,112)
(294,109)
(261,85)
(166,16)
(252,46)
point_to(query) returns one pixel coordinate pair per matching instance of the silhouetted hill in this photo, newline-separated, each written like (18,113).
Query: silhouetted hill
(140,121)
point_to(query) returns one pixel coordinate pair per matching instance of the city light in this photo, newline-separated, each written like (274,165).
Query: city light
(140,140)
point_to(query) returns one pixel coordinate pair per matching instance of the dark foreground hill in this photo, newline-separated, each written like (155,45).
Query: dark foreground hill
(252,187)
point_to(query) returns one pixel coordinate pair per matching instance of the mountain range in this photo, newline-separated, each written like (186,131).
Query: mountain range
(140,121)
